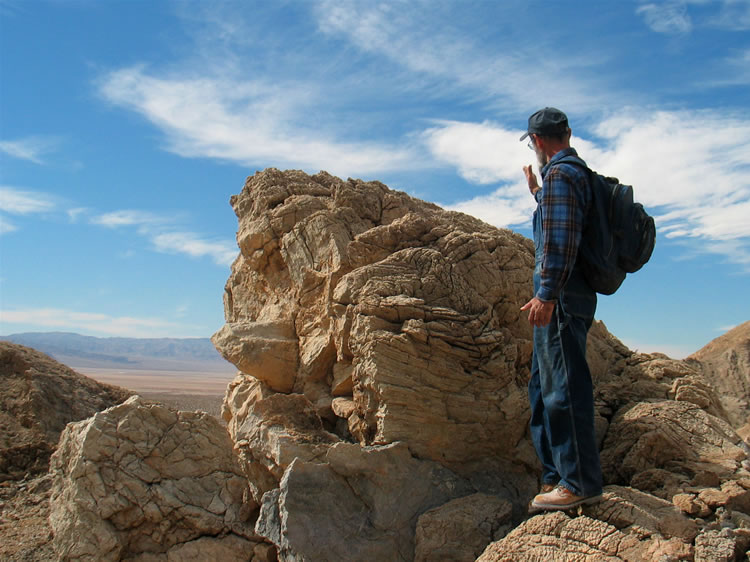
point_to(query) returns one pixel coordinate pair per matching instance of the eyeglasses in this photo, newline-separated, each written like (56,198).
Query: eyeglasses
(531,144)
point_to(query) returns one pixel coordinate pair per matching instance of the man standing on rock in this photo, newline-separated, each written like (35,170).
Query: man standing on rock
(561,312)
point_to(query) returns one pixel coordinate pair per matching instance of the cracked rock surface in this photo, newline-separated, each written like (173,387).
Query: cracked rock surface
(140,479)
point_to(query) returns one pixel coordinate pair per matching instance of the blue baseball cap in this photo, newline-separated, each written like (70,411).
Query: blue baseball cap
(547,121)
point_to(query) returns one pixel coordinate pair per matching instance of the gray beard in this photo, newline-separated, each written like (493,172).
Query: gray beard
(541,158)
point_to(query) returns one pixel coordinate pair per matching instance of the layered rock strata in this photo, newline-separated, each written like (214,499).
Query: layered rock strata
(398,321)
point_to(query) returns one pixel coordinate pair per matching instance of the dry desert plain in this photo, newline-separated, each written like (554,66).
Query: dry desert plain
(184,390)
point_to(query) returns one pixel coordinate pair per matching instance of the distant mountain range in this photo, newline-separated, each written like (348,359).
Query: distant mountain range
(77,351)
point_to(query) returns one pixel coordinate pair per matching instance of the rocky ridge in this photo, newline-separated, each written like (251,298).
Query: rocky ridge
(380,411)
(726,362)
(38,397)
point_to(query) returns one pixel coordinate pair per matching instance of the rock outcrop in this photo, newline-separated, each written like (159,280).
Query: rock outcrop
(38,397)
(726,364)
(359,315)
(356,314)
(142,480)
(380,410)
(407,312)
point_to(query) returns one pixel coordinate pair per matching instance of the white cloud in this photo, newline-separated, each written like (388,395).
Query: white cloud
(222,253)
(75,213)
(128,217)
(166,236)
(666,17)
(30,148)
(24,202)
(689,168)
(247,122)
(482,152)
(96,323)
(16,201)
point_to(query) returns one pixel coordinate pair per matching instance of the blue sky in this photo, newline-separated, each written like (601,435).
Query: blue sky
(125,127)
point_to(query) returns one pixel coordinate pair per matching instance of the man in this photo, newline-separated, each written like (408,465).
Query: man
(561,312)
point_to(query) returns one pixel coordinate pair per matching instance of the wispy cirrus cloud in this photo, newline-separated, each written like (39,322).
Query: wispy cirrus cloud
(309,111)
(18,201)
(733,15)
(423,38)
(97,323)
(130,217)
(675,17)
(246,121)
(222,252)
(33,148)
(666,17)
(167,236)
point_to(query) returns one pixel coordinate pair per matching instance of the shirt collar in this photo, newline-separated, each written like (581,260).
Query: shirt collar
(557,156)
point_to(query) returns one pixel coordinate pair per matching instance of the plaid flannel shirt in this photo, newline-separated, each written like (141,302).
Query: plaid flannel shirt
(562,205)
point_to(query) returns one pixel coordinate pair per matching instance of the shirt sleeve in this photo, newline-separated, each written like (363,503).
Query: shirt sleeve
(562,215)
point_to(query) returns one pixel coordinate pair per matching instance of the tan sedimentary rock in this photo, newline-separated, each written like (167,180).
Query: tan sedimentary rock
(461,529)
(144,480)
(38,396)
(361,318)
(408,311)
(726,364)
(677,436)
(270,430)
(559,538)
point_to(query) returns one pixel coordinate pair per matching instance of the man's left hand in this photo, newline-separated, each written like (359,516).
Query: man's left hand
(540,312)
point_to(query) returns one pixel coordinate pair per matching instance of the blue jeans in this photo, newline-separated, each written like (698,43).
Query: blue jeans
(561,392)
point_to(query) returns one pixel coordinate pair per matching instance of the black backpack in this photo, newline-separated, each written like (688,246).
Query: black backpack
(618,235)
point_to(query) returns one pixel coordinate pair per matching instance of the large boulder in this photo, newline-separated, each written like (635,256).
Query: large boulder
(142,480)
(355,504)
(38,397)
(409,312)
(558,537)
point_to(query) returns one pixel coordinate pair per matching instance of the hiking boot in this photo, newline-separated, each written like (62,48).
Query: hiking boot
(561,498)
(546,488)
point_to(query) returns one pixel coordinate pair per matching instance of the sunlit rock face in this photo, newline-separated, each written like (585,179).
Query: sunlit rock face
(143,480)
(397,320)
